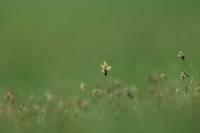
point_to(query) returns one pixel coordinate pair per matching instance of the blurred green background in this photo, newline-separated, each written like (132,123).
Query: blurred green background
(46,44)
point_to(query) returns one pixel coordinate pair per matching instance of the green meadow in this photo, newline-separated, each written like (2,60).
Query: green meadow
(47,48)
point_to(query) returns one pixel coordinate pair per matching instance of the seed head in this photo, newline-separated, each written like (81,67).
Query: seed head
(97,92)
(105,68)
(181,55)
(22,107)
(184,76)
(83,86)
(9,97)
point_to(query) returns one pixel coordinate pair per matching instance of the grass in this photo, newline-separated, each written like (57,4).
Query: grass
(48,47)
(164,105)
(108,108)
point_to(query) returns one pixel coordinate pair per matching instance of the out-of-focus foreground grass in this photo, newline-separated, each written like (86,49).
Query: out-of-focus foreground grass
(164,107)
(51,46)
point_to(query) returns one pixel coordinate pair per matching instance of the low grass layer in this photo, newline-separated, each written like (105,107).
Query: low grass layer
(162,107)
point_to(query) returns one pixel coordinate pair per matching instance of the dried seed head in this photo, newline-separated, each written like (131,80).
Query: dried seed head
(83,86)
(184,76)
(82,103)
(181,55)
(105,68)
(23,108)
(9,97)
(97,92)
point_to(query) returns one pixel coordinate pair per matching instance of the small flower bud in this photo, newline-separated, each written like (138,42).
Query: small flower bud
(184,76)
(105,68)
(181,55)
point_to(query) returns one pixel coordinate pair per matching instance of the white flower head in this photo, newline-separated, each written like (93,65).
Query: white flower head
(184,76)
(105,68)
(181,55)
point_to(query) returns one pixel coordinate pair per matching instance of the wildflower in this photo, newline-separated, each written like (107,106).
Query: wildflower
(83,86)
(105,68)
(97,92)
(181,55)
(184,76)
(9,97)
